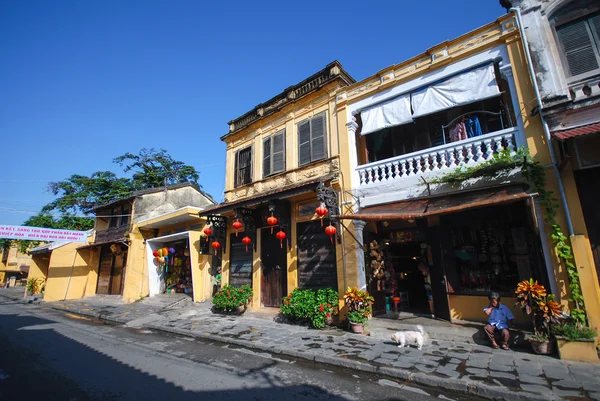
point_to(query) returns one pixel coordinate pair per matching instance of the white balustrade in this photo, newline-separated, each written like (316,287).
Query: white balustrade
(438,159)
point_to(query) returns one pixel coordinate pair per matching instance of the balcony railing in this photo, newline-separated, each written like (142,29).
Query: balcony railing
(442,158)
(112,234)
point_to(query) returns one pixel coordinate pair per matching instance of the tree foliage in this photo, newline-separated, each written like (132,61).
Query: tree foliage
(152,169)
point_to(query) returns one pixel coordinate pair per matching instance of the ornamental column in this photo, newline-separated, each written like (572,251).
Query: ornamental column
(359,226)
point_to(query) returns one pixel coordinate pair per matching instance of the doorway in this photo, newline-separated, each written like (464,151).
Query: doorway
(274,269)
(111,272)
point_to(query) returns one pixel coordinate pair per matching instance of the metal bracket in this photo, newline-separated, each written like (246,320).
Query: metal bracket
(219,227)
(329,197)
(247,217)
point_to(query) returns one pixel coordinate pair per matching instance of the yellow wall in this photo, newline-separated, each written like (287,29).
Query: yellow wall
(470,308)
(70,273)
(136,273)
(39,266)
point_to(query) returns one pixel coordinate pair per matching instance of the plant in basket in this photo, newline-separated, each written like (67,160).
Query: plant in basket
(533,299)
(229,298)
(360,307)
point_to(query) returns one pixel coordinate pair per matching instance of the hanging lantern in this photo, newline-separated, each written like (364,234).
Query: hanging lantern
(330,230)
(246,240)
(272,221)
(216,245)
(281,236)
(208,231)
(155,254)
(237,225)
(321,211)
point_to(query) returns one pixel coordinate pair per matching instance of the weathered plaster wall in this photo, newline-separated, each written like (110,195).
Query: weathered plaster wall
(71,274)
(155,204)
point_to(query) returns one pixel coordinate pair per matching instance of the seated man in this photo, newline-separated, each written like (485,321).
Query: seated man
(500,319)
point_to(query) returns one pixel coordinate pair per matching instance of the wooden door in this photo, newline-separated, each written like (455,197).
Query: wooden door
(274,269)
(118,274)
(588,181)
(438,241)
(104,272)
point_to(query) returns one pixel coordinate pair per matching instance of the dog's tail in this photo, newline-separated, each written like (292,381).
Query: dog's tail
(420,329)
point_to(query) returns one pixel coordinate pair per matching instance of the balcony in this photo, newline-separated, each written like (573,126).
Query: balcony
(436,160)
(112,234)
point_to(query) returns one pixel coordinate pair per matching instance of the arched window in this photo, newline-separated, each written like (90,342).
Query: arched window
(577,28)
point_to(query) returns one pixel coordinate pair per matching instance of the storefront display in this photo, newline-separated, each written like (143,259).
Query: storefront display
(175,267)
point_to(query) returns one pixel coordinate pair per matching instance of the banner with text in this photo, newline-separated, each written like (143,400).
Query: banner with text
(42,234)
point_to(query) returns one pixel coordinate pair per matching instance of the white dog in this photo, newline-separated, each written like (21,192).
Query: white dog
(409,337)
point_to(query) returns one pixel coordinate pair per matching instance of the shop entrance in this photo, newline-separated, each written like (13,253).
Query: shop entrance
(111,272)
(274,269)
(172,273)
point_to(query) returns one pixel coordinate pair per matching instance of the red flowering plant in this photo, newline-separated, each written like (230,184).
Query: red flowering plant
(229,298)
(310,306)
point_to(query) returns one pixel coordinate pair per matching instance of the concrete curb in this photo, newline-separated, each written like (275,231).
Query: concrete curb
(91,314)
(463,387)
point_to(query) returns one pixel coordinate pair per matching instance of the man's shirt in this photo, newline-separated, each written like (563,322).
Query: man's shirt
(500,316)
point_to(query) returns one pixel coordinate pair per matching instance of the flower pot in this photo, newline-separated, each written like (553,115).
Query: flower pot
(329,321)
(357,328)
(240,309)
(583,350)
(542,347)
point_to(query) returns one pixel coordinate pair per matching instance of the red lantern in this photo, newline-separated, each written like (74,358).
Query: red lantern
(272,221)
(237,225)
(280,236)
(208,231)
(246,240)
(216,245)
(321,211)
(330,230)
(155,254)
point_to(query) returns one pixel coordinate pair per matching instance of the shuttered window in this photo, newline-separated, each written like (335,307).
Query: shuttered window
(243,167)
(274,154)
(311,140)
(580,42)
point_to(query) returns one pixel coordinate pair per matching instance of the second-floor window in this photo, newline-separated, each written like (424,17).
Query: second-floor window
(243,167)
(580,43)
(274,154)
(311,140)
(114,219)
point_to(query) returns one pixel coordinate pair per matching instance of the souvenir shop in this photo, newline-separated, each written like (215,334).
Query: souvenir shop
(444,263)
(169,265)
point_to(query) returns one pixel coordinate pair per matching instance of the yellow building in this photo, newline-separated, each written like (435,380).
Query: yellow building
(283,160)
(14,265)
(116,260)
(458,104)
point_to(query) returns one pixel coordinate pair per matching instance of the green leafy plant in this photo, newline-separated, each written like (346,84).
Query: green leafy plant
(534,172)
(310,306)
(229,298)
(359,301)
(571,331)
(32,286)
(357,317)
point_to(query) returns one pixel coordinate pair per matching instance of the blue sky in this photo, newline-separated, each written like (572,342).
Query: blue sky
(82,82)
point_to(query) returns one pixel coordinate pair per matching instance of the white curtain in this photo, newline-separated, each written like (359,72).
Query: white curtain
(387,114)
(468,87)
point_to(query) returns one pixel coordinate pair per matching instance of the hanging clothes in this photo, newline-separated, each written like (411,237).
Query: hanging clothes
(473,127)
(458,133)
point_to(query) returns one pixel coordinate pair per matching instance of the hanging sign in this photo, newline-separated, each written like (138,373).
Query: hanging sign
(42,234)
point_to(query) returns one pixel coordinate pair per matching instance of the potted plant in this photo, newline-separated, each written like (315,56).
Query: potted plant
(533,299)
(575,342)
(32,286)
(230,299)
(360,307)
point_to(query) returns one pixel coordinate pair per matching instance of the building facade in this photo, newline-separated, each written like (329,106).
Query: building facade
(446,245)
(564,41)
(284,160)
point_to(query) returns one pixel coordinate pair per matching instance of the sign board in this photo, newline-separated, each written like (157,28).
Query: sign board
(42,234)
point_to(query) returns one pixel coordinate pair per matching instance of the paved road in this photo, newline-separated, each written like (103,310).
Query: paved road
(46,355)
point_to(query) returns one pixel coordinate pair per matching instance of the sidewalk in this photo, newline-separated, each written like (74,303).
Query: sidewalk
(456,366)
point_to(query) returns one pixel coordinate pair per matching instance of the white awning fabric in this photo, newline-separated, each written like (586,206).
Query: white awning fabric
(477,84)
(387,114)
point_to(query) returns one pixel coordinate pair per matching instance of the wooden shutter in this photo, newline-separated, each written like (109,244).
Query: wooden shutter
(236,173)
(317,136)
(304,142)
(576,41)
(278,152)
(267,157)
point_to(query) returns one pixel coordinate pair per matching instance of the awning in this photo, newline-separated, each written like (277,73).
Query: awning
(387,114)
(47,248)
(419,208)
(577,131)
(280,193)
(468,87)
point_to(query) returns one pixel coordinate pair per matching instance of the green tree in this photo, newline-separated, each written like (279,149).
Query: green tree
(152,169)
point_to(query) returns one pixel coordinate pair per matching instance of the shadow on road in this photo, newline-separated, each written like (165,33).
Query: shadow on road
(36,362)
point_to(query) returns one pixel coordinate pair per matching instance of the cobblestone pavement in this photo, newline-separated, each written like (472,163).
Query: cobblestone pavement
(460,367)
